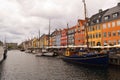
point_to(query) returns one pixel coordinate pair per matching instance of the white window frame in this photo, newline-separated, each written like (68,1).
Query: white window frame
(113,24)
(118,23)
(109,25)
(104,26)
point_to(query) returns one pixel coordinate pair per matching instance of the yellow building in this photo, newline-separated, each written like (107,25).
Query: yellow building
(34,42)
(44,41)
(94,28)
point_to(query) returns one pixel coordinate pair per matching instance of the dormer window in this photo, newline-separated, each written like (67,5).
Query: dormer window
(87,24)
(106,18)
(97,21)
(115,15)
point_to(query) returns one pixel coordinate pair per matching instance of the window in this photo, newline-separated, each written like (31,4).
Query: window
(87,24)
(106,18)
(105,35)
(118,32)
(109,25)
(97,21)
(90,36)
(114,33)
(118,23)
(93,43)
(99,35)
(109,34)
(93,36)
(115,15)
(114,42)
(109,41)
(98,27)
(104,26)
(91,28)
(113,24)
(96,35)
(105,42)
(118,41)
(82,27)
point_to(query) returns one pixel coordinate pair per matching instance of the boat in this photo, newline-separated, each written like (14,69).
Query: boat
(22,50)
(3,53)
(85,56)
(48,53)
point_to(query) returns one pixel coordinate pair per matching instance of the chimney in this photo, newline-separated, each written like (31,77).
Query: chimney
(100,10)
(118,4)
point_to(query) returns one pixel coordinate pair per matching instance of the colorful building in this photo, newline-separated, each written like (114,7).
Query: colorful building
(34,43)
(102,28)
(94,29)
(111,26)
(64,37)
(53,36)
(71,36)
(58,37)
(80,33)
(44,41)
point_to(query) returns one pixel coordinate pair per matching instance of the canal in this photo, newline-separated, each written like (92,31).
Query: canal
(25,66)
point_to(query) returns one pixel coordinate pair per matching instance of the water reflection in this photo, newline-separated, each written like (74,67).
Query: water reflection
(22,66)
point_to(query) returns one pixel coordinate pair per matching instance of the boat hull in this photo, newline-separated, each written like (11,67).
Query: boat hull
(1,53)
(96,60)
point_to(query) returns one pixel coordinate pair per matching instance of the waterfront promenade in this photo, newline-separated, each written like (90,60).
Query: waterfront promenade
(25,66)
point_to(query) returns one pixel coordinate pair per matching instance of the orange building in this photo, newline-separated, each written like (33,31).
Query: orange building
(111,26)
(80,33)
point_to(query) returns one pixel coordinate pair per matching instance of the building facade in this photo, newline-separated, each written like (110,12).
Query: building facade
(95,29)
(71,36)
(111,26)
(64,37)
(58,37)
(44,41)
(80,33)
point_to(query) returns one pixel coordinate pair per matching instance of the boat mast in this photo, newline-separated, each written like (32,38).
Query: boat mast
(85,14)
(39,38)
(67,34)
(5,42)
(49,34)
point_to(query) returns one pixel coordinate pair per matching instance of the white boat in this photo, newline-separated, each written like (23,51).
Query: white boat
(2,51)
(50,54)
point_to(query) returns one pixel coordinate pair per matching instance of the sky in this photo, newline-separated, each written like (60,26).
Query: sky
(21,20)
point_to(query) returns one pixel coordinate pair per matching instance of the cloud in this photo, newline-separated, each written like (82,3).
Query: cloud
(21,19)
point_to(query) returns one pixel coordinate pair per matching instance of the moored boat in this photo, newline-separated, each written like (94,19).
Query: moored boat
(3,53)
(92,59)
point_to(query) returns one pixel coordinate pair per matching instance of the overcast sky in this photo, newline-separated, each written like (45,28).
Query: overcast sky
(21,19)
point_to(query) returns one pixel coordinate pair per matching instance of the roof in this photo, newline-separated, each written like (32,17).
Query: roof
(98,16)
(111,11)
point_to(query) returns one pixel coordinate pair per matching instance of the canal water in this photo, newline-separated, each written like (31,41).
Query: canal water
(25,66)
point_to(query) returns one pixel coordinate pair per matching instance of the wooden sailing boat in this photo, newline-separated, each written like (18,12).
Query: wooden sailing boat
(83,56)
